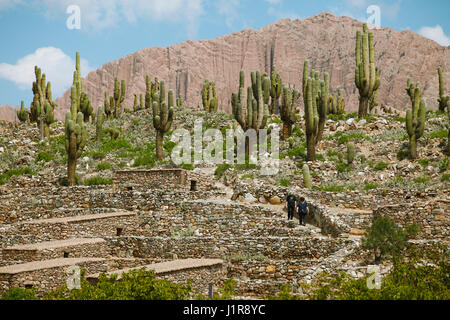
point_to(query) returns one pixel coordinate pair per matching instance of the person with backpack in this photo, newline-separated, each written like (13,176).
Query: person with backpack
(303,210)
(290,202)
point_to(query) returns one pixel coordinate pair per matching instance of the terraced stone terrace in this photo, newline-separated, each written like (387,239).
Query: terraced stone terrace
(181,234)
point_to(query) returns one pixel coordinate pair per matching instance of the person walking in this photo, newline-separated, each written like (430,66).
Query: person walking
(303,210)
(290,202)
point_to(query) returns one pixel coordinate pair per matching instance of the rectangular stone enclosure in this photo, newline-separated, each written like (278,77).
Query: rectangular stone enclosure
(163,179)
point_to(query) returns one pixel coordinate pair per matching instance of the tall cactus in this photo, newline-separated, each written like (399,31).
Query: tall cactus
(209,97)
(107,106)
(162,116)
(148,92)
(276,88)
(415,118)
(316,99)
(257,112)
(289,101)
(367,77)
(76,136)
(443,99)
(42,106)
(99,123)
(22,114)
(118,97)
(86,107)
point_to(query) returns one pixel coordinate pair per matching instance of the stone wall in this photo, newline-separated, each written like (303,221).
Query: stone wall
(163,179)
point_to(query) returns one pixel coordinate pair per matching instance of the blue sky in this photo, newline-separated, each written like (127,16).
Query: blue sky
(35,31)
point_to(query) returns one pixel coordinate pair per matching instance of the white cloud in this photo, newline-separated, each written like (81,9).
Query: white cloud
(5,4)
(57,66)
(100,14)
(274,1)
(229,9)
(436,34)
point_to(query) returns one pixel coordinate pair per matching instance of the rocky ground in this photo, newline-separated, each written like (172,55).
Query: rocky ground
(380,181)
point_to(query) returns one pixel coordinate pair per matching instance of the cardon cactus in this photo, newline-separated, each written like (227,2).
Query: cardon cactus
(119,97)
(315,95)
(22,114)
(76,137)
(99,123)
(443,99)
(367,77)
(306,177)
(276,87)
(288,109)
(107,106)
(257,112)
(350,153)
(86,107)
(79,99)
(209,97)
(179,102)
(336,105)
(162,116)
(42,106)
(415,117)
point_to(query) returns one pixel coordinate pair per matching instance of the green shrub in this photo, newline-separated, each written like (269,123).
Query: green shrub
(5,177)
(97,155)
(103,166)
(440,134)
(297,132)
(44,156)
(247,176)
(134,285)
(330,188)
(445,177)
(19,294)
(220,170)
(424,162)
(385,238)
(97,181)
(342,167)
(380,166)
(370,186)
(147,157)
(187,166)
(422,179)
(445,163)
(400,119)
(285,182)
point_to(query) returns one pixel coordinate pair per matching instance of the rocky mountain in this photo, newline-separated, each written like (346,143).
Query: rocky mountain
(8,113)
(327,41)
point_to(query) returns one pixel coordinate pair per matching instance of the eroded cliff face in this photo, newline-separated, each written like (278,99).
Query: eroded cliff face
(327,41)
(8,113)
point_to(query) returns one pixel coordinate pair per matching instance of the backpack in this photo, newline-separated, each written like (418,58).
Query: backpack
(302,207)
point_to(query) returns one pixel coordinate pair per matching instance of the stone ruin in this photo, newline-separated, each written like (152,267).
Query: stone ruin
(182,225)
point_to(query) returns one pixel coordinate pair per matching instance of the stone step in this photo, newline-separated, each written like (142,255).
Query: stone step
(99,225)
(77,247)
